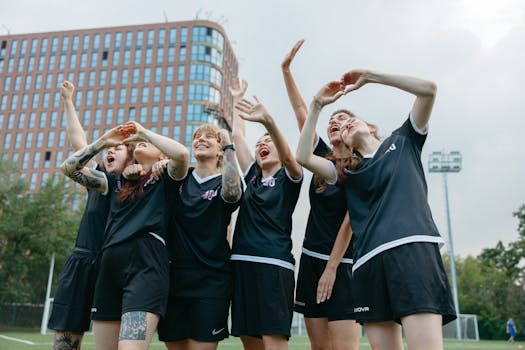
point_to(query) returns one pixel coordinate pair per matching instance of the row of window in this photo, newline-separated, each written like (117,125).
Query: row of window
(111,45)
(101,97)
(165,114)
(53,139)
(104,77)
(84,60)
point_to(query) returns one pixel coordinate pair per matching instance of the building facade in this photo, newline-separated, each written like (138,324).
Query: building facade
(170,77)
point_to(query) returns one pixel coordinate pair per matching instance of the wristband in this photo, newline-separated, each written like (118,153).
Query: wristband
(230,146)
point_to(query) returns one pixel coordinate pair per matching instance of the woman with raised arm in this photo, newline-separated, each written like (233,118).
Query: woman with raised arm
(70,316)
(398,273)
(262,306)
(323,292)
(201,276)
(132,286)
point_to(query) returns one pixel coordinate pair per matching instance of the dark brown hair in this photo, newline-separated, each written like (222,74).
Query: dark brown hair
(132,190)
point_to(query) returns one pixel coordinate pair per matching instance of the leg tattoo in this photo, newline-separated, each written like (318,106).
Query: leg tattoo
(133,326)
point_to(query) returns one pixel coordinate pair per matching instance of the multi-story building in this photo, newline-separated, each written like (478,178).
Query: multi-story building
(170,77)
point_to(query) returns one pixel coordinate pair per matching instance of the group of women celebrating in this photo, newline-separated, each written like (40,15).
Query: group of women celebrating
(154,232)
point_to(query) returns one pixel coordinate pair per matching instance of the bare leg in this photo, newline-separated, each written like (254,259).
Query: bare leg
(423,331)
(384,335)
(67,340)
(252,343)
(136,330)
(344,334)
(275,342)
(190,344)
(106,334)
(318,333)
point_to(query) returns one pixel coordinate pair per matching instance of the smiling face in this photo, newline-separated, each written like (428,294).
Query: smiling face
(116,159)
(265,152)
(333,130)
(206,143)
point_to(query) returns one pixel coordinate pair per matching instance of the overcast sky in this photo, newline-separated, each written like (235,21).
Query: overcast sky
(473,49)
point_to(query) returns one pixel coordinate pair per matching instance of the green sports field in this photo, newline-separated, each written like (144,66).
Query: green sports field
(32,340)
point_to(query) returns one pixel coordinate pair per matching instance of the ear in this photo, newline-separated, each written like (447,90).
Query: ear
(373,129)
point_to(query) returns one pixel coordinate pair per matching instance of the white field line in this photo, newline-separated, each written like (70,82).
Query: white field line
(17,340)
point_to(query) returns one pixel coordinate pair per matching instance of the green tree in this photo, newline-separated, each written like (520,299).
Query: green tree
(33,225)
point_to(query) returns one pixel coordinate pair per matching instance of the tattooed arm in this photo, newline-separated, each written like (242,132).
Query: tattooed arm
(231,181)
(75,168)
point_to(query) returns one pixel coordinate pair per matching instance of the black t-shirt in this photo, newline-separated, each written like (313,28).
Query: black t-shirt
(147,214)
(90,234)
(327,211)
(197,241)
(387,197)
(264,224)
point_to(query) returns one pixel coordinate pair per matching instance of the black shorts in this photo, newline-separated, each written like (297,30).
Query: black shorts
(339,307)
(74,295)
(402,281)
(204,320)
(262,299)
(133,277)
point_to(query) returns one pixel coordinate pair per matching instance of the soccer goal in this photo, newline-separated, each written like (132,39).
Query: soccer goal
(468,326)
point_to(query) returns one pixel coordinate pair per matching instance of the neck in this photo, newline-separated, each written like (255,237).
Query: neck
(271,169)
(341,151)
(206,167)
(368,145)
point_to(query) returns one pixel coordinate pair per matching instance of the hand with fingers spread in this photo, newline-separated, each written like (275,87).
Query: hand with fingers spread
(66,90)
(238,88)
(254,112)
(329,94)
(354,80)
(285,65)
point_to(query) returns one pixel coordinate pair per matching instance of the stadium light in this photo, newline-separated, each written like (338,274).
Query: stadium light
(442,162)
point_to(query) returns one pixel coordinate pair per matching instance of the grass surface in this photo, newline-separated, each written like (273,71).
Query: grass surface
(33,340)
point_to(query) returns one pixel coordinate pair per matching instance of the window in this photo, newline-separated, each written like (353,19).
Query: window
(18,140)
(36,160)
(21,120)
(180,92)
(54,118)
(145,93)
(25,161)
(89,97)
(166,115)
(147,75)
(87,117)
(78,98)
(133,95)
(160,55)
(173,37)
(127,57)
(109,116)
(156,94)
(207,54)
(7,141)
(122,96)
(113,77)
(180,75)
(149,54)
(111,96)
(91,78)
(196,113)
(162,37)
(136,75)
(11,121)
(80,80)
(124,78)
(176,133)
(25,98)
(116,56)
(43,119)
(143,114)
(169,74)
(72,61)
(151,37)
(62,139)
(18,81)
(178,113)
(29,139)
(158,74)
(120,116)
(102,78)
(40,139)
(94,59)
(58,158)
(201,92)
(100,97)
(132,113)
(49,81)
(167,93)
(85,45)
(38,81)
(32,120)
(14,101)
(138,56)
(154,114)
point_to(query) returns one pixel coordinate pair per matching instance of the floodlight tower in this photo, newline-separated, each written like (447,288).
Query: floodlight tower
(443,162)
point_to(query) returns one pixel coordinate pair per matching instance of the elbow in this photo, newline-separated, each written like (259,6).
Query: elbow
(302,158)
(431,89)
(64,169)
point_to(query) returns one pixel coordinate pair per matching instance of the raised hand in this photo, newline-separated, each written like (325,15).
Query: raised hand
(133,131)
(113,137)
(238,88)
(254,112)
(354,79)
(329,93)
(66,90)
(285,65)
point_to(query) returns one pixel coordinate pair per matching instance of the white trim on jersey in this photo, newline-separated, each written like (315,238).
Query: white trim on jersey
(291,178)
(201,181)
(263,260)
(397,243)
(324,256)
(423,131)
(158,237)
(107,185)
(336,175)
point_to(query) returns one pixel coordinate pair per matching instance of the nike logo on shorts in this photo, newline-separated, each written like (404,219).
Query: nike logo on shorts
(215,332)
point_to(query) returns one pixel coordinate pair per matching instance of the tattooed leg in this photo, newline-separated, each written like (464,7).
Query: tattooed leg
(136,329)
(67,341)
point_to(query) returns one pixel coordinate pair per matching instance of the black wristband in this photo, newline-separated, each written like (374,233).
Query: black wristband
(230,146)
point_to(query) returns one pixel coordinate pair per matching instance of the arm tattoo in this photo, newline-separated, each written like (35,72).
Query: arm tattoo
(133,326)
(67,341)
(73,168)
(231,182)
